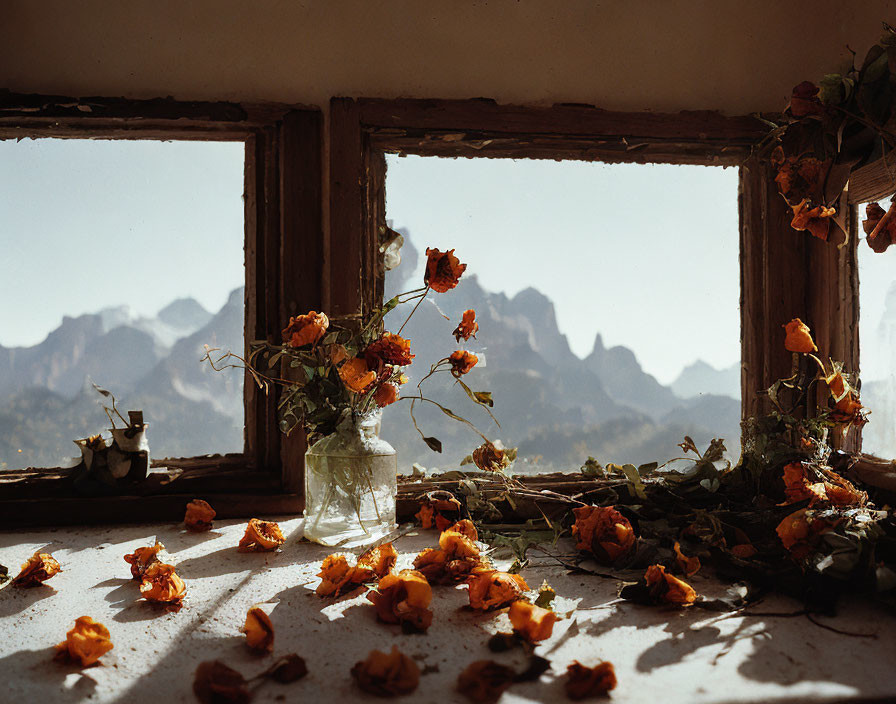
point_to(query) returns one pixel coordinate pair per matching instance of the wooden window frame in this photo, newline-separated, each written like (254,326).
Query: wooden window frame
(283,226)
(784,274)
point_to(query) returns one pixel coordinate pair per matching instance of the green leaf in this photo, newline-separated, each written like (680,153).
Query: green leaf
(546,595)
(634,478)
(434,444)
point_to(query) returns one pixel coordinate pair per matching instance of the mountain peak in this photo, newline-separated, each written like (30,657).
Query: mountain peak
(184,313)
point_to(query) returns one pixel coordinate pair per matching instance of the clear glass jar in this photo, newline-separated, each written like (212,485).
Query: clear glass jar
(350,485)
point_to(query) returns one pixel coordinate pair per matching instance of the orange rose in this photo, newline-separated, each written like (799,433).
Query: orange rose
(666,588)
(531,622)
(199,515)
(799,530)
(582,681)
(816,220)
(443,270)
(688,565)
(441,506)
(485,681)
(356,375)
(259,630)
(388,349)
(386,394)
(88,641)
(465,528)
(798,178)
(261,536)
(376,562)
(215,683)
(798,337)
(387,675)
(467,327)
(337,577)
(142,558)
(462,362)
(603,531)
(403,598)
(490,458)
(39,568)
(847,408)
(161,584)
(491,589)
(305,329)
(455,559)
(335,574)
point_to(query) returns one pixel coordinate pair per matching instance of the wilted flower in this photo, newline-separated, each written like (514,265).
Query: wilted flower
(884,236)
(484,681)
(688,565)
(462,362)
(337,576)
(798,178)
(305,329)
(199,515)
(443,270)
(386,394)
(804,100)
(215,683)
(798,531)
(142,558)
(162,585)
(356,375)
(467,327)
(603,531)
(582,681)
(490,458)
(259,630)
(261,536)
(816,220)
(388,349)
(86,642)
(440,507)
(403,598)
(491,589)
(847,408)
(39,568)
(387,675)
(743,550)
(454,560)
(532,622)
(798,337)
(666,588)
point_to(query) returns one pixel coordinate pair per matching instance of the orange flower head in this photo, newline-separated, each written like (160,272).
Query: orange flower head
(377,562)
(462,362)
(798,337)
(583,682)
(440,508)
(388,349)
(816,220)
(491,589)
(335,574)
(261,536)
(38,569)
(457,543)
(490,458)
(356,375)
(87,642)
(142,558)
(386,394)
(466,528)
(666,588)
(603,531)
(162,585)
(688,565)
(337,577)
(403,598)
(467,327)
(484,681)
(531,622)
(305,329)
(214,683)
(199,515)
(385,675)
(259,630)
(847,408)
(443,270)
(456,557)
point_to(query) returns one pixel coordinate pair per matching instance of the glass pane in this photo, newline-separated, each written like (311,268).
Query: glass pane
(877,334)
(121,259)
(607,298)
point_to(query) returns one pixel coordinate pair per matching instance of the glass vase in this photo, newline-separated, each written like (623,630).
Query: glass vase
(350,485)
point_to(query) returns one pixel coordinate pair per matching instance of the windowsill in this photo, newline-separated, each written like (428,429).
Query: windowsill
(660,655)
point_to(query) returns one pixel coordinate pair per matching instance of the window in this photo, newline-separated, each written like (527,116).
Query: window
(281,181)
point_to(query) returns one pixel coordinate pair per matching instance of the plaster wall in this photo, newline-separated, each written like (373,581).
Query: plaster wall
(663,55)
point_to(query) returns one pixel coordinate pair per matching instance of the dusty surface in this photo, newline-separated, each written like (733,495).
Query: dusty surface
(687,656)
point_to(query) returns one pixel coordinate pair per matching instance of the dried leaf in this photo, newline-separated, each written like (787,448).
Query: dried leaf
(434,444)
(287,669)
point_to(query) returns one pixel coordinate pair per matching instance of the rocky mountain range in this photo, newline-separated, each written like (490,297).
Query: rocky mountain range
(556,408)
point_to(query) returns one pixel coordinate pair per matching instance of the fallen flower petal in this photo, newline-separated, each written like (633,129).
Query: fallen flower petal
(484,681)
(666,588)
(403,598)
(38,569)
(86,642)
(287,669)
(387,675)
(491,589)
(215,683)
(142,558)
(259,630)
(583,681)
(162,585)
(688,565)
(531,622)
(261,536)
(199,515)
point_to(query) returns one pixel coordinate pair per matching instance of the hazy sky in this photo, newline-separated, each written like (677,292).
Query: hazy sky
(646,255)
(89,224)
